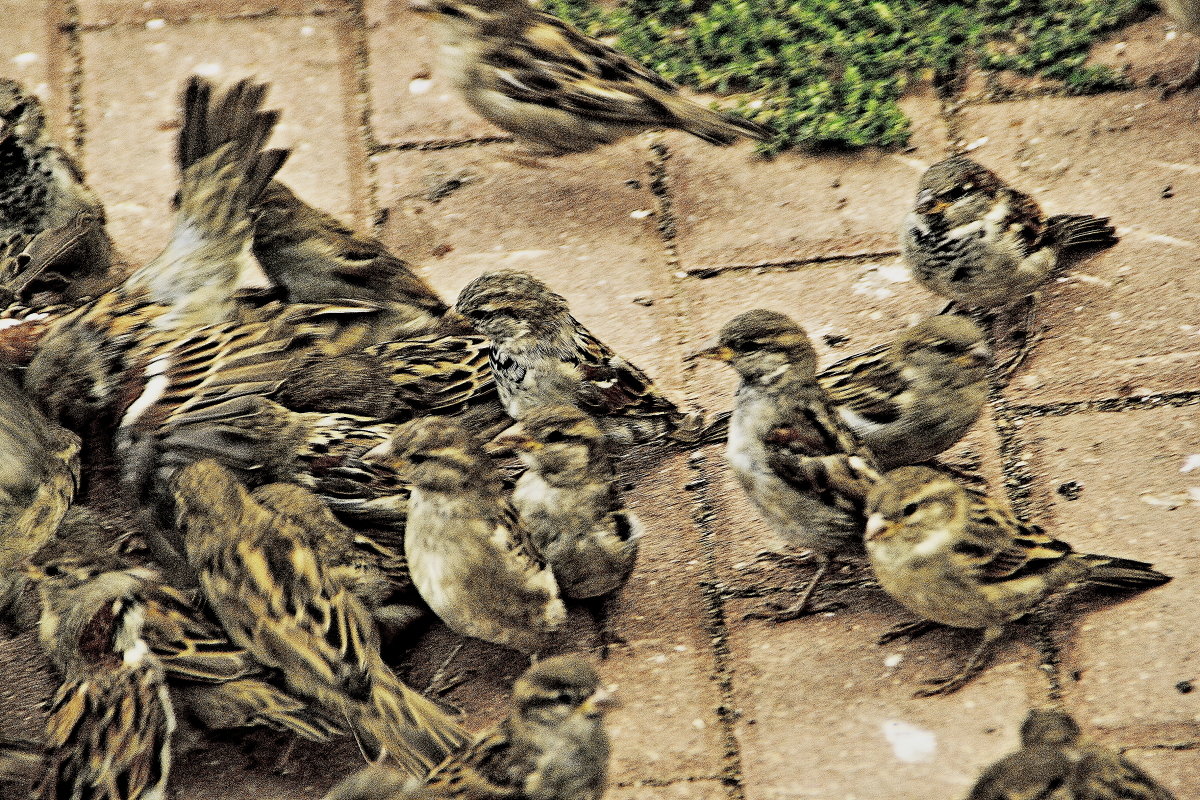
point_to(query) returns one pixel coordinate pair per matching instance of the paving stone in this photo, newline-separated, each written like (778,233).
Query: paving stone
(584,224)
(100,13)
(683,790)
(1177,770)
(133,78)
(1120,322)
(1122,660)
(412,99)
(733,208)
(851,727)
(33,52)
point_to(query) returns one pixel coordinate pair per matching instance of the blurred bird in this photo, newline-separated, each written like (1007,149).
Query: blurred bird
(223,686)
(42,194)
(39,475)
(955,556)
(556,89)
(110,722)
(912,399)
(470,557)
(798,462)
(77,370)
(542,356)
(552,746)
(1057,763)
(976,240)
(262,577)
(1186,14)
(311,256)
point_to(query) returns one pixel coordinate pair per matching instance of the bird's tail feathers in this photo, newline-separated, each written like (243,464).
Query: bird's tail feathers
(1108,572)
(1081,230)
(408,727)
(716,127)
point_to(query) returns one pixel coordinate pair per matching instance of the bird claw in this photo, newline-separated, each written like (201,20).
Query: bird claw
(783,559)
(908,630)
(776,612)
(947,685)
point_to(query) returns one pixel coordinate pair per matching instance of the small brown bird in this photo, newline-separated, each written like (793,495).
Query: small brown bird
(1056,762)
(556,89)
(109,730)
(78,370)
(543,356)
(470,557)
(552,746)
(909,400)
(955,556)
(798,462)
(45,205)
(262,577)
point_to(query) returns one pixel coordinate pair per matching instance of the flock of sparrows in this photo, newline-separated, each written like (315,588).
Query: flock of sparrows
(314,465)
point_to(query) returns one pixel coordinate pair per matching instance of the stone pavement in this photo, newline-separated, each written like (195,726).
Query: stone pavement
(656,242)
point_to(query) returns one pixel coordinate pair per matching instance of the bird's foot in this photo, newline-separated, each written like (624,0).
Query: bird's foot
(908,630)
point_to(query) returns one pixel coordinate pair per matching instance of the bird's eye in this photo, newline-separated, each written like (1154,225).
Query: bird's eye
(555,436)
(953,193)
(566,698)
(450,11)
(52,570)
(418,458)
(945,348)
(909,509)
(970,549)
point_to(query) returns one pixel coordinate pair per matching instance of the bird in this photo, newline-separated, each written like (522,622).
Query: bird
(221,683)
(469,555)
(955,556)
(974,239)
(912,399)
(308,254)
(38,481)
(1057,762)
(79,364)
(43,194)
(552,746)
(798,462)
(567,500)
(260,574)
(541,355)
(108,733)
(1186,14)
(556,89)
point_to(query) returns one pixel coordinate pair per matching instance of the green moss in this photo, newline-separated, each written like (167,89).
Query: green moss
(830,72)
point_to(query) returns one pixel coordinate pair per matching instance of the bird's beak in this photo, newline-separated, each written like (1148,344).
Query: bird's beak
(421,6)
(715,353)
(513,439)
(927,203)
(600,701)
(877,527)
(978,356)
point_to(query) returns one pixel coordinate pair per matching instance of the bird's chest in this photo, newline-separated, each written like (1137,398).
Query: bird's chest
(525,380)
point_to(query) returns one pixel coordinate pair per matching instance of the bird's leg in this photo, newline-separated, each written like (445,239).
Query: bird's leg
(1024,333)
(1185,84)
(599,608)
(973,667)
(908,630)
(800,608)
(283,764)
(783,559)
(444,681)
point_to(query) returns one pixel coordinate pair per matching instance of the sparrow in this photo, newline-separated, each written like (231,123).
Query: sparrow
(556,89)
(552,746)
(1057,763)
(39,477)
(1186,14)
(305,252)
(470,556)
(261,576)
(42,191)
(542,356)
(110,722)
(800,465)
(79,363)
(220,683)
(912,399)
(974,239)
(567,500)
(955,556)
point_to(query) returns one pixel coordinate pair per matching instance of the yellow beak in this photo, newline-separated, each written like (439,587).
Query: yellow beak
(599,702)
(877,526)
(715,353)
